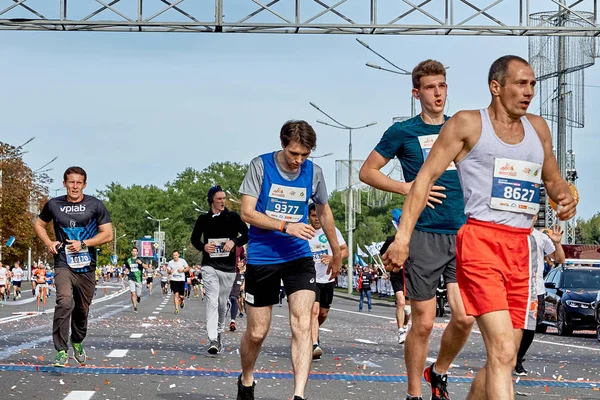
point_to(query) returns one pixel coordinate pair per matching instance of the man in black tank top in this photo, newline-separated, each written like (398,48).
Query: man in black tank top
(498,304)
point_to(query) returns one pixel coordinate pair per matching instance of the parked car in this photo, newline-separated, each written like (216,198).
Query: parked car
(571,293)
(597,315)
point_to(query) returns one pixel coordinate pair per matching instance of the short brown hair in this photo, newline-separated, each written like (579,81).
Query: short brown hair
(298,131)
(427,68)
(499,69)
(77,171)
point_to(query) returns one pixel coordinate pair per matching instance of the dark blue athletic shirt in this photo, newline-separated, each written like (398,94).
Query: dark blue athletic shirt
(411,141)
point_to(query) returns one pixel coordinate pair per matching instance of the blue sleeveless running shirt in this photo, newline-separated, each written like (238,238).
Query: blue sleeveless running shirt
(286,201)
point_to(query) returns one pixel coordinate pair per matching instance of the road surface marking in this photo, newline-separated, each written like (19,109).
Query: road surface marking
(80,395)
(117,353)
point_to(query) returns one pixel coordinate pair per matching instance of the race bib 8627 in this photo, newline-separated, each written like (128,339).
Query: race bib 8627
(516,186)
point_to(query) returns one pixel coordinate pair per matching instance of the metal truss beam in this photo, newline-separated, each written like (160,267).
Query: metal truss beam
(371,17)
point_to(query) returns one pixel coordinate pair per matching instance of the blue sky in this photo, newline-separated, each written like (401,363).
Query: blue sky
(139,108)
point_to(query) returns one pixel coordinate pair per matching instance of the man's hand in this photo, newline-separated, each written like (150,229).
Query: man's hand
(74,245)
(567,206)
(555,234)
(302,231)
(210,247)
(435,195)
(395,256)
(139,261)
(53,247)
(334,264)
(229,245)
(325,259)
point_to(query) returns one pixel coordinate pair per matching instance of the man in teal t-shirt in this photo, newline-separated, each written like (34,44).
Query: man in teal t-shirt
(432,249)
(134,268)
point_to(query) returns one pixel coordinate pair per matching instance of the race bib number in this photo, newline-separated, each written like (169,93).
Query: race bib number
(286,203)
(516,186)
(318,255)
(219,252)
(78,259)
(426,143)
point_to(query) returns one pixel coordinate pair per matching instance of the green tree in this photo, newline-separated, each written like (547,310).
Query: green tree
(179,201)
(373,224)
(588,231)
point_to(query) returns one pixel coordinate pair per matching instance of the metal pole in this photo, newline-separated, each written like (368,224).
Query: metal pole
(413,107)
(115,253)
(29,260)
(561,142)
(160,244)
(350,217)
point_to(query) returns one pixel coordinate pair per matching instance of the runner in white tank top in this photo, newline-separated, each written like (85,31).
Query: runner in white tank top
(500,160)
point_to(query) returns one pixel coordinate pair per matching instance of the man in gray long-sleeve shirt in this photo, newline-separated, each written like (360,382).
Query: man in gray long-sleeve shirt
(216,234)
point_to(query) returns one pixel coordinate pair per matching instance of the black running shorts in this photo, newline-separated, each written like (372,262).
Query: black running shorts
(263,281)
(324,295)
(178,287)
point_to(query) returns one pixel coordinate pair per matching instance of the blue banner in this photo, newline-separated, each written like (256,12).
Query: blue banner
(10,241)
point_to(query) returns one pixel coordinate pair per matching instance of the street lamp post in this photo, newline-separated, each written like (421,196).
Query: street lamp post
(350,204)
(117,238)
(161,242)
(312,158)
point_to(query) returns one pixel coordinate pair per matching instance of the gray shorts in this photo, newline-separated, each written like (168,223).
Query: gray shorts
(135,287)
(431,255)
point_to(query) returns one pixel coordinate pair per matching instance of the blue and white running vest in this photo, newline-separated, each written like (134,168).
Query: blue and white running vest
(286,201)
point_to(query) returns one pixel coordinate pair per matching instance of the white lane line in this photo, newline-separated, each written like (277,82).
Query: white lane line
(151,318)
(364,341)
(117,353)
(325,330)
(80,395)
(557,344)
(51,310)
(155,312)
(363,314)
(136,335)
(432,360)
(145,325)
(567,345)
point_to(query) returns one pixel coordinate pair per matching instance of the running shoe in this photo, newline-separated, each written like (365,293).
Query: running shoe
(438,383)
(519,370)
(232,326)
(317,352)
(401,336)
(245,392)
(135,309)
(78,352)
(213,348)
(61,359)
(181,304)
(177,311)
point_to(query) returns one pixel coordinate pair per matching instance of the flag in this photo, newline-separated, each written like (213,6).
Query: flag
(360,252)
(396,214)
(359,261)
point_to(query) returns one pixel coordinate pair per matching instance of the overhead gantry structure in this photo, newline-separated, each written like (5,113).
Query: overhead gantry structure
(365,17)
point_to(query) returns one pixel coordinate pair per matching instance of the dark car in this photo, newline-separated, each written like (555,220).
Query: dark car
(570,298)
(597,315)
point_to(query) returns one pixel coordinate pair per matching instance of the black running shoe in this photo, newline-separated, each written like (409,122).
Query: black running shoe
(317,352)
(245,392)
(213,348)
(519,370)
(438,383)
(299,398)
(181,304)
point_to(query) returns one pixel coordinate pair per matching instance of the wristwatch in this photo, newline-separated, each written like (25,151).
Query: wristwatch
(83,246)
(285,226)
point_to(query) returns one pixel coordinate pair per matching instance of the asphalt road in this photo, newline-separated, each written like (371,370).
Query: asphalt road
(156,354)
